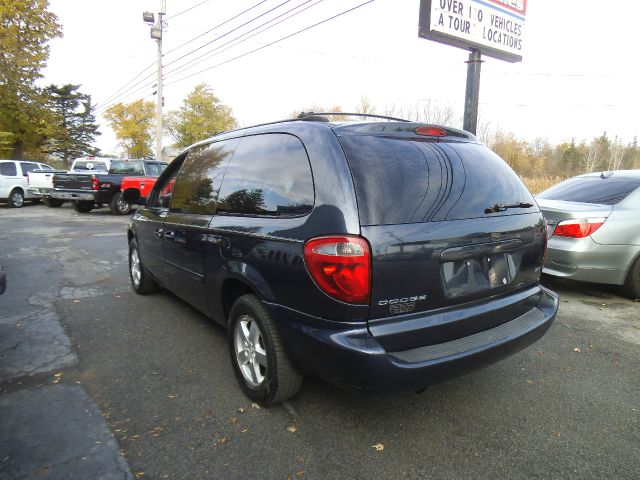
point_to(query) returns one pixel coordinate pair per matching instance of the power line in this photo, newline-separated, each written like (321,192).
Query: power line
(209,54)
(225,34)
(115,94)
(124,91)
(271,43)
(186,10)
(217,26)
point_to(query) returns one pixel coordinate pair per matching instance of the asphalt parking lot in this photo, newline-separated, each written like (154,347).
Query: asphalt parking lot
(93,376)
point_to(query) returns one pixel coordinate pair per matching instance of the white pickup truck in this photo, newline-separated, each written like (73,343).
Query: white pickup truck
(40,182)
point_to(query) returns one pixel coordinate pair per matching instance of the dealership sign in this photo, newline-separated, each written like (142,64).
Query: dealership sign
(494,27)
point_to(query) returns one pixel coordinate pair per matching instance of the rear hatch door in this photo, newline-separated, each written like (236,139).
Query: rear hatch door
(441,246)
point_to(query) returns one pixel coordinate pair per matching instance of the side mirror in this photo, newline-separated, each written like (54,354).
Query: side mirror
(132,195)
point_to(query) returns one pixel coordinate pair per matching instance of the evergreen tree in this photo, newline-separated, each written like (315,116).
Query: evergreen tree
(75,123)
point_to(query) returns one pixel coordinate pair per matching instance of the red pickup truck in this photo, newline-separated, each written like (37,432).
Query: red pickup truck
(142,185)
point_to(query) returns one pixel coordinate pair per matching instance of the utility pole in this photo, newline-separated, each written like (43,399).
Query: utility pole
(156,34)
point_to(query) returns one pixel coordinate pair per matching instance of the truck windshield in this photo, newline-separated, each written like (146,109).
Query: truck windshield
(127,168)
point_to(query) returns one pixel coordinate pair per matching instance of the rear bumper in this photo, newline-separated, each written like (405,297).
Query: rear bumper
(83,195)
(39,192)
(349,356)
(585,260)
(71,195)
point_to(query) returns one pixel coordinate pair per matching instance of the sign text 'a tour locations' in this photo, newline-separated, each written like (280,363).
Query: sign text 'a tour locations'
(494,27)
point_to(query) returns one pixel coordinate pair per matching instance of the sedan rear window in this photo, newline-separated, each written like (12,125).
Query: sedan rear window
(410,181)
(598,190)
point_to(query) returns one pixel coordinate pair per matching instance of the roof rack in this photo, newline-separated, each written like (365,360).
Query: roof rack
(318,116)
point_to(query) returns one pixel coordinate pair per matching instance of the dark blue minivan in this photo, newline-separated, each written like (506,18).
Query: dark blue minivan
(380,256)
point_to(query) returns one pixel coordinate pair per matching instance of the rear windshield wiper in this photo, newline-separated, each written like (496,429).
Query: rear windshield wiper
(501,207)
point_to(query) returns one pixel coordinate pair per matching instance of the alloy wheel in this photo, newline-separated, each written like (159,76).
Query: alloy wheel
(250,351)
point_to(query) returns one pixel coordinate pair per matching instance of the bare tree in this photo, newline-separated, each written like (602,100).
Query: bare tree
(432,112)
(616,154)
(365,106)
(590,157)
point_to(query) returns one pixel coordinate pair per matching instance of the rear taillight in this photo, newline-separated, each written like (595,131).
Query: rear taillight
(578,228)
(95,185)
(340,266)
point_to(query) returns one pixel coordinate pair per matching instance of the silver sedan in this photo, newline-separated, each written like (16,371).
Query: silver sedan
(594,229)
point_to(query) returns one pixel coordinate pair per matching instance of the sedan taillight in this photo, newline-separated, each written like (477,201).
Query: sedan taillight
(340,266)
(578,228)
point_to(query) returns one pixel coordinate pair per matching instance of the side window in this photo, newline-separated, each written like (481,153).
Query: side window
(155,169)
(197,186)
(27,167)
(268,175)
(164,188)
(8,169)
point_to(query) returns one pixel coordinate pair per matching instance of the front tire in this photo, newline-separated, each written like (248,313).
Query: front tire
(52,202)
(119,206)
(16,198)
(631,286)
(141,280)
(83,206)
(259,360)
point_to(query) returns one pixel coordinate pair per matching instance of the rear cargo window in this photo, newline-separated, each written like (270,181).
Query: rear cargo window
(407,181)
(127,168)
(603,191)
(90,165)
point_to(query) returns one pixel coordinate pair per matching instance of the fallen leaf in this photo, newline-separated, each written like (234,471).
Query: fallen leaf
(378,446)
(59,374)
(241,410)
(222,441)
(244,430)
(255,405)
(139,474)
(292,429)
(529,382)
(234,421)
(299,473)
(76,301)
(577,350)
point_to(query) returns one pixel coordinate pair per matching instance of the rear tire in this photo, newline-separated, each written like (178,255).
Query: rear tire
(83,206)
(119,206)
(631,286)
(52,202)
(141,280)
(259,360)
(16,198)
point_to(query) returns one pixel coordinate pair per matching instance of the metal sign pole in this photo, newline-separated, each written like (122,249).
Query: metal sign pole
(472,94)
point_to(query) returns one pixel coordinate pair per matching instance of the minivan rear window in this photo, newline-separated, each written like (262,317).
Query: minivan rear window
(599,190)
(411,181)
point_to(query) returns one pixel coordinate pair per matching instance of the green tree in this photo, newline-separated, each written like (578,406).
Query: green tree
(76,126)
(133,124)
(201,115)
(26,26)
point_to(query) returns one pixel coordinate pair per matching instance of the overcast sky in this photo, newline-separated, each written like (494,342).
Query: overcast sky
(578,78)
